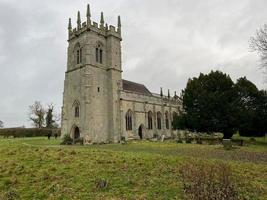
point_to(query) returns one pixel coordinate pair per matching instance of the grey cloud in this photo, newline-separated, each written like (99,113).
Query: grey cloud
(164,43)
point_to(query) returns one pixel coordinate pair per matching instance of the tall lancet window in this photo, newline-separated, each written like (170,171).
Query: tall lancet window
(128,120)
(99,54)
(76,106)
(167,120)
(150,120)
(78,53)
(159,120)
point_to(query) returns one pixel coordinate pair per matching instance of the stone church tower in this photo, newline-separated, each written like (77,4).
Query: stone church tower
(98,105)
(91,98)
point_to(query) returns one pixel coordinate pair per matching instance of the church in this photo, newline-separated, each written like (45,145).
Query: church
(98,105)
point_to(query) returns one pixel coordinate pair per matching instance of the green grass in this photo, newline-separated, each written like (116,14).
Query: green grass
(37,168)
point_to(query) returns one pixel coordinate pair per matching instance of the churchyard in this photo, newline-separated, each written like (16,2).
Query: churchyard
(38,168)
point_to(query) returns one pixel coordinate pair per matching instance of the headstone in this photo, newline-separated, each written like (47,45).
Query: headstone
(87,140)
(162,138)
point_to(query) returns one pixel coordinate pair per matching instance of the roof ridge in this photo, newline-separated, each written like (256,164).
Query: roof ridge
(134,82)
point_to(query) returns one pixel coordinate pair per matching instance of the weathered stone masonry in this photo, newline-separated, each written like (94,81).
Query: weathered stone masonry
(98,105)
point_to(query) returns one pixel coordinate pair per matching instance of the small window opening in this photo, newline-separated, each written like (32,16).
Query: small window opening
(96,54)
(101,56)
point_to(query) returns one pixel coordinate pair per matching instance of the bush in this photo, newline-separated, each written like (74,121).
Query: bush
(28,132)
(67,140)
(208,181)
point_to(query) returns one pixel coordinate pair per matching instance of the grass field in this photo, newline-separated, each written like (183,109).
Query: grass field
(37,168)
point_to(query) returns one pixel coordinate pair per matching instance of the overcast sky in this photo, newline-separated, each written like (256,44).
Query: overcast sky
(164,43)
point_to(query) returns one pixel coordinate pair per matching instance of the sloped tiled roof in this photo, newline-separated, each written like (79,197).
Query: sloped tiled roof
(135,87)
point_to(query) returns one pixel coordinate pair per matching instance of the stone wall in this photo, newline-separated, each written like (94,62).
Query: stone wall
(140,105)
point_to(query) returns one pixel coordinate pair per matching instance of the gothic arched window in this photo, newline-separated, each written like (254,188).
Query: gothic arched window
(159,120)
(78,53)
(167,120)
(76,106)
(128,119)
(99,53)
(150,120)
(77,111)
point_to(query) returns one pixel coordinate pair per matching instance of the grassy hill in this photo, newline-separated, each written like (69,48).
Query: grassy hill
(37,168)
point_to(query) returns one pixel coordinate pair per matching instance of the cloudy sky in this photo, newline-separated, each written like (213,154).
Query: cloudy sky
(164,43)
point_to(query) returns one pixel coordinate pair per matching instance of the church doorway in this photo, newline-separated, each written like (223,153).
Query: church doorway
(140,131)
(76,133)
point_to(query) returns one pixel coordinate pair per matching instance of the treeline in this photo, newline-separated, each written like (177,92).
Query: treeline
(214,103)
(29,132)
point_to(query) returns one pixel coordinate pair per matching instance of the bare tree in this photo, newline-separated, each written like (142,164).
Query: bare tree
(36,114)
(1,124)
(258,43)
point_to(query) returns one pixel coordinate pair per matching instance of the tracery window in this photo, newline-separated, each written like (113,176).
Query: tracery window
(76,106)
(167,120)
(79,53)
(99,54)
(128,119)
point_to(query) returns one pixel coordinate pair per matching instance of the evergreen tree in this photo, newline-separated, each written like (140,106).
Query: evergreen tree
(209,104)
(50,121)
(248,95)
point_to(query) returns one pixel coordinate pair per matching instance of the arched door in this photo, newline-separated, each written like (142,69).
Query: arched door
(76,133)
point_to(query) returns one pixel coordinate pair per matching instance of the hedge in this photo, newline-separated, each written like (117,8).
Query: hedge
(28,132)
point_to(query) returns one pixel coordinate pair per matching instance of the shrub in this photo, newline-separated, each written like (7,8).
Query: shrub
(67,140)
(208,181)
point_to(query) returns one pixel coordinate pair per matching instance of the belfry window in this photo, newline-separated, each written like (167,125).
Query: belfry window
(99,54)
(159,120)
(150,120)
(96,54)
(81,53)
(78,53)
(78,57)
(128,119)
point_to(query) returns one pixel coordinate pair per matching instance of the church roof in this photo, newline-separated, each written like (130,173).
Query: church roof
(135,87)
